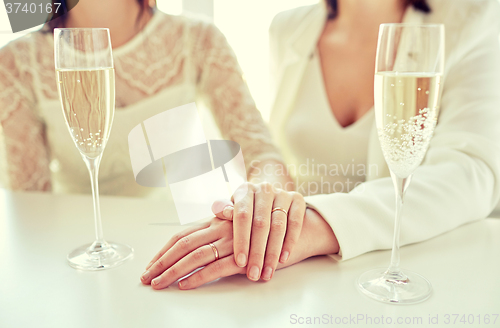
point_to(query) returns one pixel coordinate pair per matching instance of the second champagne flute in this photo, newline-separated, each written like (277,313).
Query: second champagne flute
(409,68)
(86,84)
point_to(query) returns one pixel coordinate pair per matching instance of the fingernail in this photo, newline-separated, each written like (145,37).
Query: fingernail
(145,275)
(266,274)
(156,281)
(228,212)
(254,273)
(241,260)
(284,256)
(183,284)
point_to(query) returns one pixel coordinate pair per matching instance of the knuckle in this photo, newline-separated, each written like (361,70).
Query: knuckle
(243,191)
(184,243)
(241,244)
(250,186)
(243,214)
(173,271)
(177,237)
(197,278)
(278,225)
(291,240)
(161,264)
(216,268)
(272,259)
(294,224)
(246,187)
(281,193)
(260,222)
(297,197)
(266,187)
(199,254)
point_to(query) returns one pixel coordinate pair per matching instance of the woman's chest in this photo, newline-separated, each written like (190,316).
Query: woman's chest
(347,73)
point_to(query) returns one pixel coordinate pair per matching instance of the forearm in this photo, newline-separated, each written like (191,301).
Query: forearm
(318,237)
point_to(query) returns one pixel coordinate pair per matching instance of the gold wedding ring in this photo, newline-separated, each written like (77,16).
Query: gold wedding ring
(280,209)
(216,252)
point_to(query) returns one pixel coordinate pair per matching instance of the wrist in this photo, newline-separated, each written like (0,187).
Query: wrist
(317,235)
(316,238)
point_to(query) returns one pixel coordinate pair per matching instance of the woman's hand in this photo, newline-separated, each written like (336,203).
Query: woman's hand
(262,235)
(190,250)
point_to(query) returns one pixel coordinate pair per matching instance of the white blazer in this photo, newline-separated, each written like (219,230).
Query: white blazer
(459,179)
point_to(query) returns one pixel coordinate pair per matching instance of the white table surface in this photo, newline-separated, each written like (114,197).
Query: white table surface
(39,289)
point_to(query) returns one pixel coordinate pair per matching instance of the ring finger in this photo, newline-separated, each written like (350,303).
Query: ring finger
(277,232)
(181,248)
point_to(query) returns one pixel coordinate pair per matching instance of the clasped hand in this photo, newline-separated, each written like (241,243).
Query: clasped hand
(249,236)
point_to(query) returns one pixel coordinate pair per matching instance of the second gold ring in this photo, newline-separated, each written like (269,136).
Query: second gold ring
(280,209)
(215,250)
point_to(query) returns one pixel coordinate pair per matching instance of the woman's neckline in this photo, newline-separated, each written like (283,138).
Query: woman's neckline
(139,37)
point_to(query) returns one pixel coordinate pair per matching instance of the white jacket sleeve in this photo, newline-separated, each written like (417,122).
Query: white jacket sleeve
(459,180)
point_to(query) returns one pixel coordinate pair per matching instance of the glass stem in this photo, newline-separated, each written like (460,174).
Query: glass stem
(400,186)
(93,166)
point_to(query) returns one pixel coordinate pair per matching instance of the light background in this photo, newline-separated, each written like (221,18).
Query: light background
(245,24)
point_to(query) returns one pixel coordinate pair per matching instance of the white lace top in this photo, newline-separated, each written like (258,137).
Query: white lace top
(174,60)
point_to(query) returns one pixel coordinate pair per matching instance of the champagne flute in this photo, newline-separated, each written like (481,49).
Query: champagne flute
(409,68)
(86,83)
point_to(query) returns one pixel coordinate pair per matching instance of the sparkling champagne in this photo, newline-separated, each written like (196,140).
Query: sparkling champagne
(88,101)
(406,107)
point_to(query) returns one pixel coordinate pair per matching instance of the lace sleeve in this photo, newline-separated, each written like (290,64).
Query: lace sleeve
(24,163)
(224,90)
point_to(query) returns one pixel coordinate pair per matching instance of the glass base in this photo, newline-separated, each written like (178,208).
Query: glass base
(400,288)
(99,256)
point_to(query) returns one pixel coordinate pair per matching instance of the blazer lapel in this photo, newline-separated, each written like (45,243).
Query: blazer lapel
(298,48)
